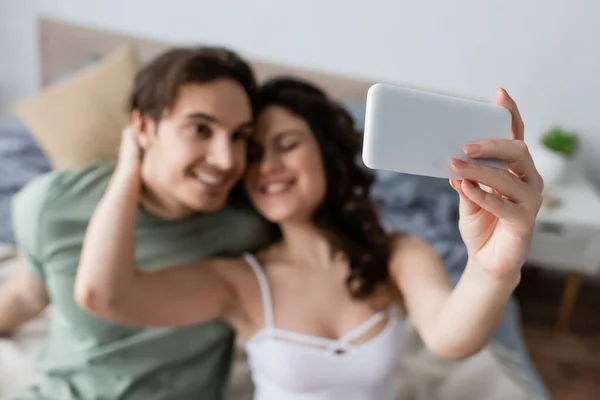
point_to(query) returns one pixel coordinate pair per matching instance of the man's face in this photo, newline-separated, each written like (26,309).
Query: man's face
(197,152)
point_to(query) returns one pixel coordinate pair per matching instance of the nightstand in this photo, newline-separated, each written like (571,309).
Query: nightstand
(567,239)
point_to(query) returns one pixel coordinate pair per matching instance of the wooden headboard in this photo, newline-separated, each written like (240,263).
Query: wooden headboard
(65,46)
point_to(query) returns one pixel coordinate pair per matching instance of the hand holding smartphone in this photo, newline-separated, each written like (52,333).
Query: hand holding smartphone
(417,132)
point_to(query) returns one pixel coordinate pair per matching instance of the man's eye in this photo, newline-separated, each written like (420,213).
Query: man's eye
(202,130)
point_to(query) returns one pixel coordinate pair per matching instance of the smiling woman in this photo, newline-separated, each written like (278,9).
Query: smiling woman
(287,184)
(309,145)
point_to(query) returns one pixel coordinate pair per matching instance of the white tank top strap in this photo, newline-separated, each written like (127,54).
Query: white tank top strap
(363,328)
(303,339)
(264,290)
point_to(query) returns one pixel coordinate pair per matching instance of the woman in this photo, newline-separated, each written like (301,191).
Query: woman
(320,308)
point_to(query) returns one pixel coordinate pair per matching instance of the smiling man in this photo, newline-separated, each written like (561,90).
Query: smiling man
(194,109)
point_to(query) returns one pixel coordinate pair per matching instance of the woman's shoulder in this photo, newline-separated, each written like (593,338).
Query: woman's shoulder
(407,250)
(267,258)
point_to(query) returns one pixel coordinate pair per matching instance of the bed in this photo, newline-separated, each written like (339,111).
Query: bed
(420,206)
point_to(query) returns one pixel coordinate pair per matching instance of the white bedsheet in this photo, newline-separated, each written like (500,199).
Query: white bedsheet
(421,376)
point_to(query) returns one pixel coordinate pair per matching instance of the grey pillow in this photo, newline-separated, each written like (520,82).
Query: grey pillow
(357,109)
(20,160)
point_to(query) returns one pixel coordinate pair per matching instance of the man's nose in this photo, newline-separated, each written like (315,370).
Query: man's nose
(220,153)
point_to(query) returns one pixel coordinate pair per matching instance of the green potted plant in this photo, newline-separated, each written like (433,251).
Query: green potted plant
(560,141)
(558,147)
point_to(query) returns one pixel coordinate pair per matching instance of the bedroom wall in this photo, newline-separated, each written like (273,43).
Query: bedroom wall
(544,52)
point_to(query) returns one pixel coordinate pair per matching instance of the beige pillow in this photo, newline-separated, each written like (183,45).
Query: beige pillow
(79,122)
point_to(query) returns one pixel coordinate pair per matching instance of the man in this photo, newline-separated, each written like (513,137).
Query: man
(196,108)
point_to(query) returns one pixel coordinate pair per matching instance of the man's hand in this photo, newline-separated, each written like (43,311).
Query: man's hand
(130,153)
(22,298)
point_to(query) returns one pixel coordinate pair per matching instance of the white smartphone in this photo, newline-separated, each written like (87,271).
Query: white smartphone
(416,132)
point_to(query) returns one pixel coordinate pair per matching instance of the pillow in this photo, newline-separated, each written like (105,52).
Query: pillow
(88,61)
(20,161)
(357,109)
(79,122)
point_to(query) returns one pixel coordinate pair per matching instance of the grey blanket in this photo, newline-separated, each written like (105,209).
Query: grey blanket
(426,208)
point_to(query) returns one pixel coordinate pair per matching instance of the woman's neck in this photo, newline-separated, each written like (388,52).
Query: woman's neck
(305,244)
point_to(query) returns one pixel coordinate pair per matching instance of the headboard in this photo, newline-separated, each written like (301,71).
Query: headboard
(65,46)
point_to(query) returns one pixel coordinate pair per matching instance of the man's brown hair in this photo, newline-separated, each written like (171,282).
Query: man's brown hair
(157,84)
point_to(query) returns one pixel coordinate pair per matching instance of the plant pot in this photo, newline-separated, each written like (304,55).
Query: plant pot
(551,165)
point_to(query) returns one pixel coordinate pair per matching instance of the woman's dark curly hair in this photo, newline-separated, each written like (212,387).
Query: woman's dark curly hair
(347,215)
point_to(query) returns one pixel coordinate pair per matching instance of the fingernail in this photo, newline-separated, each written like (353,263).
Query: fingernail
(472,149)
(457,162)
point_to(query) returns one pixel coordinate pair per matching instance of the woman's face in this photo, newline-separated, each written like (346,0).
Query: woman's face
(287,182)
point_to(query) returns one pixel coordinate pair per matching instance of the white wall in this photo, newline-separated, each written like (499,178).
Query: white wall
(546,53)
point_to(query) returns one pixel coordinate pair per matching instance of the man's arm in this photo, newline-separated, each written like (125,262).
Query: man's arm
(109,286)
(22,298)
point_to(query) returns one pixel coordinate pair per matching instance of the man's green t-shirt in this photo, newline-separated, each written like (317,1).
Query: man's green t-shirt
(88,358)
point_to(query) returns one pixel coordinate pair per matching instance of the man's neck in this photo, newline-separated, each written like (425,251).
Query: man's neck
(163,207)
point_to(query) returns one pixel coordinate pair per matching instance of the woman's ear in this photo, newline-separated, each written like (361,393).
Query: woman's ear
(143,126)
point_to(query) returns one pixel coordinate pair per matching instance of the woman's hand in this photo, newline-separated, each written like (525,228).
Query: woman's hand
(497,221)
(496,224)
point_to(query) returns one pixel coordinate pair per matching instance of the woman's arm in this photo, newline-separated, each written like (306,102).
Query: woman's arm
(454,324)
(498,209)
(109,286)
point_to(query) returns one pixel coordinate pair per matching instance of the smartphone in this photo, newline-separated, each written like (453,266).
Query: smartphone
(417,132)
